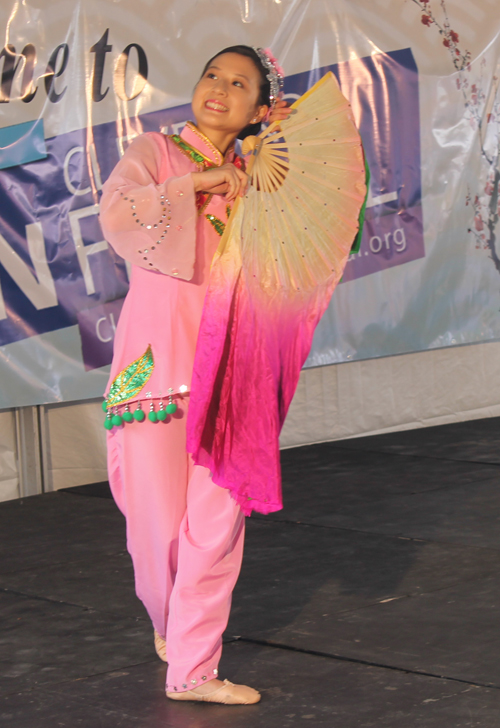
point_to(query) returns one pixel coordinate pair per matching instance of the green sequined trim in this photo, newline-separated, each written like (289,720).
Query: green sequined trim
(131,380)
(228,211)
(217,224)
(193,154)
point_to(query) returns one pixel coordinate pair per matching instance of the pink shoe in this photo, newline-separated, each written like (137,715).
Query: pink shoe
(228,694)
(160,647)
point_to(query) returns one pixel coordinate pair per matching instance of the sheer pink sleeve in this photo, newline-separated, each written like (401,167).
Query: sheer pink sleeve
(147,215)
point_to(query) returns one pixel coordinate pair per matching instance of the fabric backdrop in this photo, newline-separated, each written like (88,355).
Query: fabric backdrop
(78,80)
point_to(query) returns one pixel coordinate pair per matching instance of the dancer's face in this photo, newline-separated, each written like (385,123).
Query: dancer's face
(226,97)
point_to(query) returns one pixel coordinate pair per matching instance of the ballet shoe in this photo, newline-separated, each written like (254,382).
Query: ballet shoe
(227,694)
(160,646)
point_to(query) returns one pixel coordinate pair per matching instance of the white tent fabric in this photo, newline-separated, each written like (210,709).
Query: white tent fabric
(9,473)
(333,402)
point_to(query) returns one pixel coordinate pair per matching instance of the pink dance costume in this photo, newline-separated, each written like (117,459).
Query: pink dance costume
(184,533)
(196,328)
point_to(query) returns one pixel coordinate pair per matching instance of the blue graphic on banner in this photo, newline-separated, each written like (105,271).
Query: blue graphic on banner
(97,327)
(56,270)
(54,261)
(22,143)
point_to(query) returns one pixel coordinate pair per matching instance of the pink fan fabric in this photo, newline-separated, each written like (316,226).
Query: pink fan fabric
(251,348)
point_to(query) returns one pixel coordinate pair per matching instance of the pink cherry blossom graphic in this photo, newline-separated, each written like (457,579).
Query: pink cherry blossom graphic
(483,116)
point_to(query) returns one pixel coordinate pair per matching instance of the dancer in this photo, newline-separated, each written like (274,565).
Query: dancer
(163,209)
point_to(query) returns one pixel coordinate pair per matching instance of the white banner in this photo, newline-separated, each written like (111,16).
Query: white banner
(78,80)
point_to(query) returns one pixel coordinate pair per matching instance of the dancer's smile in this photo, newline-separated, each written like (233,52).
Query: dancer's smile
(215,105)
(226,98)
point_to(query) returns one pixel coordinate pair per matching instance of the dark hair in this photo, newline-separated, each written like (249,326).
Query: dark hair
(265,87)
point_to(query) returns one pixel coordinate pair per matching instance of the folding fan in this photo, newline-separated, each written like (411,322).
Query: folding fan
(281,255)
(296,225)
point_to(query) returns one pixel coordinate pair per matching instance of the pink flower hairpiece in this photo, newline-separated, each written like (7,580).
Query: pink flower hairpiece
(275,74)
(275,63)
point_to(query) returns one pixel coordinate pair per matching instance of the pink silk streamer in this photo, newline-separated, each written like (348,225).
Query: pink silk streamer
(262,306)
(251,347)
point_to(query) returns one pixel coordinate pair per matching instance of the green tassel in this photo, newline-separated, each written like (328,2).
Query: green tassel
(108,424)
(116,420)
(152,414)
(162,413)
(127,416)
(171,408)
(104,405)
(139,415)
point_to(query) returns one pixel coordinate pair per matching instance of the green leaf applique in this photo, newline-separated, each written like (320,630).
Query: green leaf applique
(217,224)
(131,380)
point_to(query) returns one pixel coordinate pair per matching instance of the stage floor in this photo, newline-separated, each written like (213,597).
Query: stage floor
(372,599)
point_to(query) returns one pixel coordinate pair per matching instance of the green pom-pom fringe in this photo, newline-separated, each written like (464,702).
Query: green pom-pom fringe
(104,406)
(115,420)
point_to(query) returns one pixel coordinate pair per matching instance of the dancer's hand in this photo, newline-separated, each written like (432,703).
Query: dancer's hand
(280,112)
(226,180)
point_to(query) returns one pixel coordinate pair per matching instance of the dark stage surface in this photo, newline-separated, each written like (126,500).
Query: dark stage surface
(372,599)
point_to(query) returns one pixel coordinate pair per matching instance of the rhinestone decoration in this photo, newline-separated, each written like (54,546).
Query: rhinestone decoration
(274,74)
(166,216)
(194,682)
(184,685)
(216,672)
(204,677)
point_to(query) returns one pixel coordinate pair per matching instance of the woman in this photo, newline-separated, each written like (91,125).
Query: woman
(163,209)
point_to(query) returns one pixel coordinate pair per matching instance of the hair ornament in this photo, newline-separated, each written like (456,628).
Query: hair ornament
(275,74)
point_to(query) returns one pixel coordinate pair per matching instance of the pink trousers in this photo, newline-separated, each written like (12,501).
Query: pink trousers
(185,536)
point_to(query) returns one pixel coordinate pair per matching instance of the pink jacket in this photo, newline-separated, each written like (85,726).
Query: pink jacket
(152,217)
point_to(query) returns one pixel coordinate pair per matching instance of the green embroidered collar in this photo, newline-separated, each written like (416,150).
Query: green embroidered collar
(191,153)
